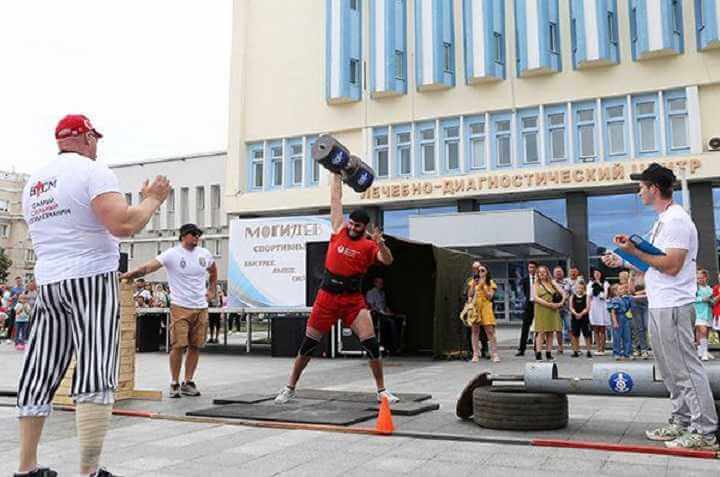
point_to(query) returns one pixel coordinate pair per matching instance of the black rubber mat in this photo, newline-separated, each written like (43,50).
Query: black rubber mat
(244,399)
(319,413)
(321,395)
(412,408)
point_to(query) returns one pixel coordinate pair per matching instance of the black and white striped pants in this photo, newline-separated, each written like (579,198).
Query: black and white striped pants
(77,317)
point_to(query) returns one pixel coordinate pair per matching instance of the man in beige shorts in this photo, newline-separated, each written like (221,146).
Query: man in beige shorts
(188,266)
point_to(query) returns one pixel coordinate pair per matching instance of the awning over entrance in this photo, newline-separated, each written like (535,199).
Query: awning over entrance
(494,235)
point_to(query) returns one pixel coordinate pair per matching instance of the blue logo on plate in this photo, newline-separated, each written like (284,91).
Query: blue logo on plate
(620,383)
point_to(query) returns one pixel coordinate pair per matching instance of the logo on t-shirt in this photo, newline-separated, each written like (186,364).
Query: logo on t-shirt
(202,262)
(43,186)
(348,252)
(183,263)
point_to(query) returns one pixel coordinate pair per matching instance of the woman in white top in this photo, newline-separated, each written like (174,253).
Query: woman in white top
(597,293)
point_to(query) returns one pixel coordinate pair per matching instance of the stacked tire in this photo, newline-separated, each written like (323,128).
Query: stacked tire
(512,408)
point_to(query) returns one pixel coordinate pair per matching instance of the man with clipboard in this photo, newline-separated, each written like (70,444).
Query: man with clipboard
(669,259)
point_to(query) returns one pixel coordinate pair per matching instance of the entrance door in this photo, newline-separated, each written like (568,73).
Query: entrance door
(500,301)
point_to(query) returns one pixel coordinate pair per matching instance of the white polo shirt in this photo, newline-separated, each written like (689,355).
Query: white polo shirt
(187,275)
(68,239)
(673,229)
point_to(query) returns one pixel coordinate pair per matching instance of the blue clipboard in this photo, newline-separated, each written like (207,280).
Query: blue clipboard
(642,245)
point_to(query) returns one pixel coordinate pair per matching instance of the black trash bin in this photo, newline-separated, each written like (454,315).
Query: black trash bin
(287,334)
(148,336)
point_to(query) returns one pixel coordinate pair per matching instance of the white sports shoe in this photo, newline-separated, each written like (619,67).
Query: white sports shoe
(668,432)
(392,399)
(285,395)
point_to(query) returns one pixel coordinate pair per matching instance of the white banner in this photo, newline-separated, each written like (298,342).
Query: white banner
(267,259)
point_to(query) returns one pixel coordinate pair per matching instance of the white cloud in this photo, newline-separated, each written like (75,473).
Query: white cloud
(152,75)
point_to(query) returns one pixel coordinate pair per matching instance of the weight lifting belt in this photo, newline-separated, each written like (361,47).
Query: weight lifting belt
(338,284)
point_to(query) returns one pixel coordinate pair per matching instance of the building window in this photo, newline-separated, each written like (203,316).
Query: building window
(529,135)
(556,136)
(403,153)
(427,149)
(29,255)
(677,17)
(615,126)
(128,198)
(296,164)
(399,65)
(447,57)
(554,38)
(276,164)
(131,254)
(646,121)
(612,32)
(452,148)
(502,143)
(382,162)
(184,205)
(215,205)
(633,25)
(200,205)
(257,156)
(477,146)
(573,35)
(354,71)
(499,48)
(170,209)
(677,122)
(586,134)
(4,230)
(313,168)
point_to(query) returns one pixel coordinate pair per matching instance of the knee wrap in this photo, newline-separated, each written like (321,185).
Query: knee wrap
(371,347)
(93,421)
(308,346)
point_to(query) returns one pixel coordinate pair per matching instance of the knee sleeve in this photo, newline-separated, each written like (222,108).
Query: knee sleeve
(371,347)
(308,346)
(92,422)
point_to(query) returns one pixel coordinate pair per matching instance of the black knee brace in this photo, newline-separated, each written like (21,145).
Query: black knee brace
(371,347)
(308,346)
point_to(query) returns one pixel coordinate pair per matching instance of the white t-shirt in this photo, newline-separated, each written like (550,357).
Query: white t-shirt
(68,239)
(673,229)
(187,273)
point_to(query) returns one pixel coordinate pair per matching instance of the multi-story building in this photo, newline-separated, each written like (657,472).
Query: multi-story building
(480,105)
(14,237)
(197,196)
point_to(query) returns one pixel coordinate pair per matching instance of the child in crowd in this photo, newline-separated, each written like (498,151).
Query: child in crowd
(580,322)
(619,307)
(22,321)
(703,314)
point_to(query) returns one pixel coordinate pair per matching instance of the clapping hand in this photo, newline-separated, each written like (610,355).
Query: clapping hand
(376,234)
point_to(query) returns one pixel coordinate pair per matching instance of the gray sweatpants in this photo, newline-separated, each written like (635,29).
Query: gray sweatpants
(672,339)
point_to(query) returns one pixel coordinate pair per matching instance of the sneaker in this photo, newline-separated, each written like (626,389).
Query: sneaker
(495,358)
(705,357)
(285,395)
(644,355)
(384,393)
(668,432)
(575,354)
(693,440)
(599,353)
(39,472)
(189,389)
(475,359)
(103,473)
(636,354)
(174,391)
(520,353)
(588,354)
(619,358)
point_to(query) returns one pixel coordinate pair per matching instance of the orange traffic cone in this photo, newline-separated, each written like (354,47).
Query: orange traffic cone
(384,420)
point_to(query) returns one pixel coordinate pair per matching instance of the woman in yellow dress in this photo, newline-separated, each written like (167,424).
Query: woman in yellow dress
(547,314)
(481,291)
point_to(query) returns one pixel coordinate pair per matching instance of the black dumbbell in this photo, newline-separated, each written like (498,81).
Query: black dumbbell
(336,158)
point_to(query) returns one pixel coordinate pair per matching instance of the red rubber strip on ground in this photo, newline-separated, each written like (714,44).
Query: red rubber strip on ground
(115,411)
(698,454)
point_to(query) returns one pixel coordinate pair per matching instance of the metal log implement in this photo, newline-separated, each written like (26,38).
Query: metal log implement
(610,379)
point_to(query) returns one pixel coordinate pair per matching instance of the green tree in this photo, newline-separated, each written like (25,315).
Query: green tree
(5,264)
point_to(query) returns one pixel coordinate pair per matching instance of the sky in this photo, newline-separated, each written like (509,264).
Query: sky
(152,75)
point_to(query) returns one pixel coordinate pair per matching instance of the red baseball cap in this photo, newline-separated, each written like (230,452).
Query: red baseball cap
(74,124)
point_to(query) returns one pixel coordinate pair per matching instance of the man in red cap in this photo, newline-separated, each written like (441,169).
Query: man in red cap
(74,211)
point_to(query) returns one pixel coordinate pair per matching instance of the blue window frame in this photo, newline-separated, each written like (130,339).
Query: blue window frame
(537,37)
(484,40)
(451,145)
(296,163)
(403,150)
(312,167)
(647,124)
(615,132)
(434,44)
(275,165)
(475,151)
(586,149)
(388,40)
(528,123)
(593,32)
(502,140)
(381,153)
(427,151)
(256,156)
(666,35)
(676,120)
(556,137)
(707,24)
(343,51)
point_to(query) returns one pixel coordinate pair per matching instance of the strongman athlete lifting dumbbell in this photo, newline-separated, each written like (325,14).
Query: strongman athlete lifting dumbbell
(350,254)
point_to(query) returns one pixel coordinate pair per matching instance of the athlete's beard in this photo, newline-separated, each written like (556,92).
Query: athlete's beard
(355,235)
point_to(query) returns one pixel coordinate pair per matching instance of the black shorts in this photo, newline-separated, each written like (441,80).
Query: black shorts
(214,320)
(580,326)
